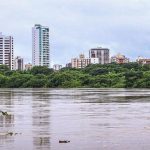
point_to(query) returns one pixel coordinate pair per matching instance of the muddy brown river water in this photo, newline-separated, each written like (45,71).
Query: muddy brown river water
(91,119)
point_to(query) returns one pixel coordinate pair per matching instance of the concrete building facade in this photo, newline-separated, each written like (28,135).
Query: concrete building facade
(19,63)
(7,51)
(80,62)
(28,66)
(68,65)
(40,46)
(143,61)
(120,59)
(57,67)
(99,55)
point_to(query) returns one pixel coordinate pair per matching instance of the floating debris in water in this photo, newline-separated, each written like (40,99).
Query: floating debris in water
(9,134)
(64,141)
(5,113)
(12,133)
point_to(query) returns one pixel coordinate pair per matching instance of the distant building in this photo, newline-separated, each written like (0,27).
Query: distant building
(99,55)
(68,65)
(57,67)
(18,63)
(28,66)
(80,62)
(143,61)
(40,46)
(7,51)
(120,59)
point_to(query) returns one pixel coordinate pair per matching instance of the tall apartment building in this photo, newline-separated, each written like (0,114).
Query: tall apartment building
(40,46)
(6,51)
(99,55)
(120,59)
(80,62)
(18,63)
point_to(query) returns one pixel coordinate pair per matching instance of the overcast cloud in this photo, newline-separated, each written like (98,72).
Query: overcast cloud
(78,25)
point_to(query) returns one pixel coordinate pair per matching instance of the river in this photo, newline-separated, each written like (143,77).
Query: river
(91,119)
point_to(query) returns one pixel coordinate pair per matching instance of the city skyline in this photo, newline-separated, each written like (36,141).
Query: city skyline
(41,53)
(77,26)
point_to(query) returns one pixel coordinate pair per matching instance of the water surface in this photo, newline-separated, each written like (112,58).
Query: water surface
(91,119)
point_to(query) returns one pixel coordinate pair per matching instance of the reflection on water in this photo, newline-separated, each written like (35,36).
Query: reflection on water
(41,121)
(91,119)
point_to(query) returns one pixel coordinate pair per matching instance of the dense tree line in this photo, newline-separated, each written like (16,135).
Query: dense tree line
(131,75)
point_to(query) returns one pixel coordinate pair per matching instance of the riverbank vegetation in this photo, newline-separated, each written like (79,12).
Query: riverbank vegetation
(130,75)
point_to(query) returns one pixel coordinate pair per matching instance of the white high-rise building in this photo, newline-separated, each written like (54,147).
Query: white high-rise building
(6,51)
(40,46)
(18,63)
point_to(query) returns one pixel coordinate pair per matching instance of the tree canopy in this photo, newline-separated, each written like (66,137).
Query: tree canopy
(131,75)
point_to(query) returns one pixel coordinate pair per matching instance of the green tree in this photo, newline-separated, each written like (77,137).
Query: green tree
(41,70)
(17,80)
(38,81)
(132,77)
(3,81)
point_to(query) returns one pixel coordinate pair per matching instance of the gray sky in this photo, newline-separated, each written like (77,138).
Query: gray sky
(78,25)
